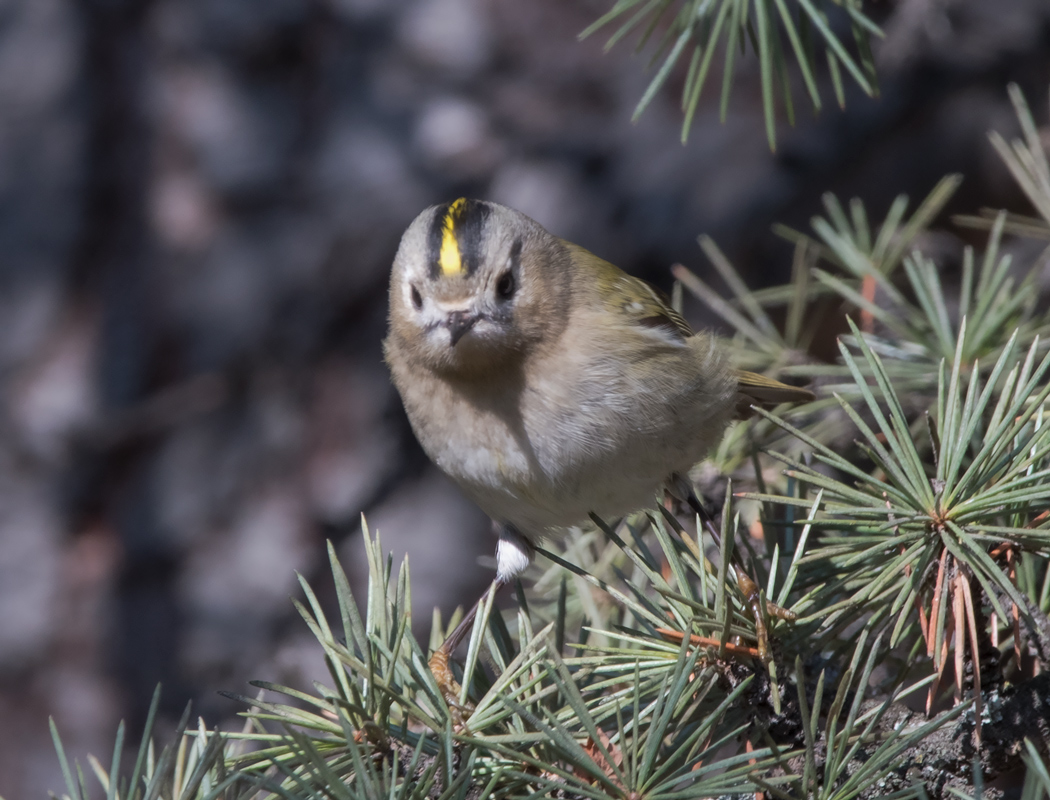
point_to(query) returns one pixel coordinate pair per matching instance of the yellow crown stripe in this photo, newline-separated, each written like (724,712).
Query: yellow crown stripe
(449,259)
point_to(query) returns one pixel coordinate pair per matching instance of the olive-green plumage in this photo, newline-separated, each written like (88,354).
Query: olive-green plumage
(545,381)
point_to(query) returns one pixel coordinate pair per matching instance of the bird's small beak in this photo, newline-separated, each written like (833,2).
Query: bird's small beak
(458,323)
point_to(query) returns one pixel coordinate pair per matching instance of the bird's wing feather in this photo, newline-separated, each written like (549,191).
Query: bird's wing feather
(632,300)
(638,303)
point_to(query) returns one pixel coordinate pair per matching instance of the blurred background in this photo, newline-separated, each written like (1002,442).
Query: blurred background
(199,204)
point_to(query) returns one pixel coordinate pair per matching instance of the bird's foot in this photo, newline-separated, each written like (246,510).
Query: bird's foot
(754,600)
(450,688)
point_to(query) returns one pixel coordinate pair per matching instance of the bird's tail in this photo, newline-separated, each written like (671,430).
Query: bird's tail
(758,390)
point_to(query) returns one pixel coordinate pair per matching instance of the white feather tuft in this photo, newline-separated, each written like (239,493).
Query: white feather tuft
(513,555)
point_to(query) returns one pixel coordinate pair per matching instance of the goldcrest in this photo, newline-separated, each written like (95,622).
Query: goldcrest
(545,381)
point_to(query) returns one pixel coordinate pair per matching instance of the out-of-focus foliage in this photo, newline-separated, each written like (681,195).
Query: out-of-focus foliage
(785,34)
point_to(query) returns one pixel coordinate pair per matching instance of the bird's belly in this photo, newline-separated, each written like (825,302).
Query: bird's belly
(552,480)
(538,506)
(547,458)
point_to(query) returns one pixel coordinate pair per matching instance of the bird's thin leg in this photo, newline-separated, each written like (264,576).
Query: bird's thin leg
(439,661)
(682,490)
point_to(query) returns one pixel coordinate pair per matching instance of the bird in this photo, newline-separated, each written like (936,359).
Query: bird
(545,381)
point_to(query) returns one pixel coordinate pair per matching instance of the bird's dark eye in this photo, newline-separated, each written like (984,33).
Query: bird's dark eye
(417,298)
(505,286)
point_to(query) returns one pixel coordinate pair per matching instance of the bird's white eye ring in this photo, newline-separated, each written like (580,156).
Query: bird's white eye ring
(417,298)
